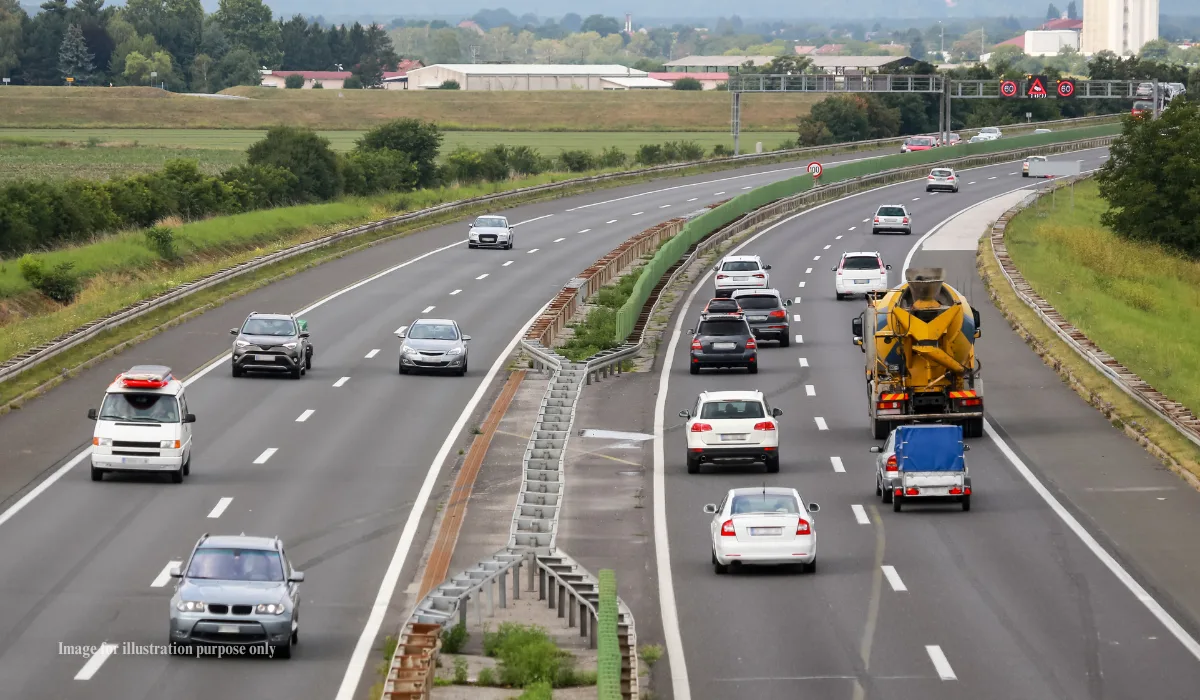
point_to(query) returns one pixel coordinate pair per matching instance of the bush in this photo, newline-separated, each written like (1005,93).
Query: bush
(682,151)
(161,239)
(650,154)
(418,140)
(487,677)
(353,83)
(612,157)
(449,85)
(453,638)
(306,155)
(460,670)
(687,84)
(721,151)
(537,691)
(527,655)
(463,165)
(260,186)
(58,283)
(524,160)
(369,172)
(293,82)
(317,85)
(577,161)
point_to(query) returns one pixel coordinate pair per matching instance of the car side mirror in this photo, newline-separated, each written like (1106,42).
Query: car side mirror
(858,341)
(887,267)
(91,414)
(876,449)
(232,331)
(296,577)
(814,508)
(711,509)
(691,331)
(787,302)
(766,267)
(176,572)
(402,331)
(833,269)
(978,326)
(304,334)
(776,412)
(856,327)
(685,414)
(966,448)
(189,418)
(466,338)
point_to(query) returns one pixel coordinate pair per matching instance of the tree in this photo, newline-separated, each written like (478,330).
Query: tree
(12,17)
(238,67)
(353,83)
(138,67)
(304,154)
(419,141)
(369,71)
(1072,10)
(916,49)
(1149,180)
(249,24)
(295,81)
(601,25)
(444,47)
(571,22)
(202,66)
(687,84)
(43,37)
(1155,50)
(74,59)
(1052,12)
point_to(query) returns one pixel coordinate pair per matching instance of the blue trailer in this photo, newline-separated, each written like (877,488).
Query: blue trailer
(927,462)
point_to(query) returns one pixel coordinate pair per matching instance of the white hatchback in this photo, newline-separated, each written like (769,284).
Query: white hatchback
(860,273)
(741,272)
(732,427)
(763,525)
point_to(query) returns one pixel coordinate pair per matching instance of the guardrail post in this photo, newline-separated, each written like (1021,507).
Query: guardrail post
(584,616)
(561,600)
(533,570)
(504,589)
(553,592)
(592,631)
(517,580)
(490,601)
(462,610)
(541,585)
(571,610)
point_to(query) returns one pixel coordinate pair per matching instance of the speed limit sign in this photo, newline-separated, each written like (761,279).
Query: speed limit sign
(815,168)
(1008,88)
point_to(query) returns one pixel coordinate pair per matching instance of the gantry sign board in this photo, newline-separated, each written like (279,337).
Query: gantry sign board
(1053,168)
(1031,87)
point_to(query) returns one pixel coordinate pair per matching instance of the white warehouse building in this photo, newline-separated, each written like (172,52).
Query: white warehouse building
(518,76)
(1050,42)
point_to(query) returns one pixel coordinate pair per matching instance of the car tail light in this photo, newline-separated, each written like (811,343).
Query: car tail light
(910,491)
(727,529)
(721,277)
(751,344)
(803,528)
(956,491)
(877,219)
(765,425)
(929,178)
(899,491)
(891,465)
(967,491)
(696,345)
(905,220)
(881,266)
(950,178)
(701,427)
(778,313)
(759,277)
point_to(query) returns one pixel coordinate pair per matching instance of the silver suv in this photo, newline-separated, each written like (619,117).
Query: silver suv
(272,342)
(236,592)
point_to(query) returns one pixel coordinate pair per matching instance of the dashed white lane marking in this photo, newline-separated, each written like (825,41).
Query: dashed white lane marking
(802,284)
(803,361)
(93,664)
(506,264)
(588,229)
(747,187)
(816,257)
(992,178)
(664,206)
(611,221)
(717,193)
(827,247)
(262,458)
(971,182)
(851,228)
(341,381)
(821,425)
(865,220)
(1012,173)
(837,465)
(373,353)
(808,271)
(799,339)
(220,507)
(431,308)
(837,238)
(860,515)
(637,213)
(533,250)
(305,416)
(693,199)
(916,199)
(796,318)
(478,278)
(810,390)
(797,301)
(164,575)
(457,291)
(893,578)
(940,663)
(530,221)
(559,240)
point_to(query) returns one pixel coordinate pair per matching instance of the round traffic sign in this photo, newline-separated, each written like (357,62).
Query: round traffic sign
(815,168)
(1008,88)
(1066,88)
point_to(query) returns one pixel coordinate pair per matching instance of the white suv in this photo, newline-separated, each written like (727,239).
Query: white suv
(732,426)
(860,273)
(741,272)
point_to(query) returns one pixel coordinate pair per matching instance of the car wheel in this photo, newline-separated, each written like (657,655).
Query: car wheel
(966,502)
(955,190)
(471,245)
(187,466)
(295,373)
(874,232)
(928,189)
(694,369)
(237,371)
(177,476)
(718,567)
(308,362)
(785,340)
(283,651)
(773,464)
(887,496)
(693,465)
(811,566)
(752,368)
(839,295)
(97,474)
(896,504)
(463,372)
(403,369)
(878,488)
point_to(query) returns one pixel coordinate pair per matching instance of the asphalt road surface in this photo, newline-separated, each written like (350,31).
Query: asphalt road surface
(84,563)
(1005,601)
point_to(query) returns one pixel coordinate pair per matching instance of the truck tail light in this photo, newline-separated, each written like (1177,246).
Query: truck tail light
(803,528)
(891,465)
(888,405)
(765,425)
(727,529)
(972,402)
(701,427)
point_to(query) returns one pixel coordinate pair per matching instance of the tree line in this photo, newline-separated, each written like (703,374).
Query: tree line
(176,45)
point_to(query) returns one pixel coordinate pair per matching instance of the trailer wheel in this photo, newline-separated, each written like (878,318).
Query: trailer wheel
(896,504)
(879,429)
(966,502)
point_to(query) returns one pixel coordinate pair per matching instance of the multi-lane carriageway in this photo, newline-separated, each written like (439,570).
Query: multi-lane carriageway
(341,465)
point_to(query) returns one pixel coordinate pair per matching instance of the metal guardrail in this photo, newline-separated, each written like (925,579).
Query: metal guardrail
(1174,413)
(37,355)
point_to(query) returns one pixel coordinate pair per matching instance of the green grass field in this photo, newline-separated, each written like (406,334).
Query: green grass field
(104,153)
(1135,301)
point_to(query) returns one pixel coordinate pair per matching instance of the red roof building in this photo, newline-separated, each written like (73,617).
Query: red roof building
(708,81)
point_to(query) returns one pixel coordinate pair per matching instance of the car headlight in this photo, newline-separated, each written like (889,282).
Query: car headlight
(410,352)
(189,606)
(474,235)
(240,343)
(270,609)
(169,445)
(290,346)
(102,442)
(454,351)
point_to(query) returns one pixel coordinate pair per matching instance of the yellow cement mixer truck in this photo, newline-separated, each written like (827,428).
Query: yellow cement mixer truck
(919,341)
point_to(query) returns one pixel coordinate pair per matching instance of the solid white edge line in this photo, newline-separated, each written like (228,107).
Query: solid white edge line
(530,221)
(219,509)
(164,575)
(383,600)
(821,424)
(266,454)
(341,381)
(837,465)
(93,664)
(940,663)
(860,515)
(893,578)
(305,416)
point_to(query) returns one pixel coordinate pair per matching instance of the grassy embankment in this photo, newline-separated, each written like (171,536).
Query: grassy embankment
(1137,302)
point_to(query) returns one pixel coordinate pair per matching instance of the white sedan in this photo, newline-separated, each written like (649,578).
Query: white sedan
(763,525)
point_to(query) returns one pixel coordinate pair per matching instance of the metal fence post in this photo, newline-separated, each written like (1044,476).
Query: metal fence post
(583,619)
(571,610)
(517,580)
(504,589)
(561,600)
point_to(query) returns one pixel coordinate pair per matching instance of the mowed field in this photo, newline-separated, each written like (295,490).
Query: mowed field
(338,110)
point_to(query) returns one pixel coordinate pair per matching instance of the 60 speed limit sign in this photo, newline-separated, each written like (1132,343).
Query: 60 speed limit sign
(815,168)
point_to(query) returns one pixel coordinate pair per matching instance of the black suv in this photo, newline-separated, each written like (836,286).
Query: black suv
(766,313)
(268,342)
(723,341)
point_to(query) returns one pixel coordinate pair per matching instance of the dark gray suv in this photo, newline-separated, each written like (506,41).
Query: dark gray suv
(766,313)
(723,341)
(272,342)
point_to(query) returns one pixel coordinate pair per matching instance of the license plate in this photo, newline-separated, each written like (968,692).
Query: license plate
(758,318)
(936,491)
(724,346)
(862,281)
(733,437)
(766,531)
(264,358)
(740,279)
(488,239)
(228,629)
(133,460)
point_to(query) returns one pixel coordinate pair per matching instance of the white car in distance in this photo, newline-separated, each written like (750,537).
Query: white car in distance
(741,272)
(860,273)
(491,232)
(766,525)
(732,426)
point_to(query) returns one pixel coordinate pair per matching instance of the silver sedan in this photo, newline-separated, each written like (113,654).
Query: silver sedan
(491,232)
(433,344)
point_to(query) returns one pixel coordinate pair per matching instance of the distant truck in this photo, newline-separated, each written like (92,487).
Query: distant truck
(923,462)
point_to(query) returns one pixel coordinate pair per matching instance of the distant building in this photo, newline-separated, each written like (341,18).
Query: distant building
(1120,26)
(829,50)
(516,77)
(804,50)
(708,81)
(471,26)
(715,64)
(851,65)
(1049,43)
(336,80)
(828,63)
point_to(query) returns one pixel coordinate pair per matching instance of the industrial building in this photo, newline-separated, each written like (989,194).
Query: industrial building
(1120,26)
(715,64)
(493,76)
(837,65)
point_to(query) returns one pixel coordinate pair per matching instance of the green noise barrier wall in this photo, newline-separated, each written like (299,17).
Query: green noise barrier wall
(715,219)
(608,649)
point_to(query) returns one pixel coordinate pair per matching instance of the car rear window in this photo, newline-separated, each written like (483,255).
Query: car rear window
(723,305)
(760,301)
(861,262)
(764,503)
(740,266)
(732,410)
(943,173)
(236,565)
(723,328)
(891,211)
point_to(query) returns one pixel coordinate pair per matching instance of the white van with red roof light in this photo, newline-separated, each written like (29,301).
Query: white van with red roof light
(143,425)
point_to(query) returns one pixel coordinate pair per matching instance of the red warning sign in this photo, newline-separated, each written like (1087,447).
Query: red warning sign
(1037,86)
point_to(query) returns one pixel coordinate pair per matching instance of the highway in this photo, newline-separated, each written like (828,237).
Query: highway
(342,464)
(1006,601)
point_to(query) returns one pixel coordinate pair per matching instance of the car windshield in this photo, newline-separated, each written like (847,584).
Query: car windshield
(764,503)
(490,222)
(433,331)
(861,262)
(1143,105)
(269,326)
(943,173)
(891,211)
(236,565)
(740,266)
(759,301)
(989,130)
(140,408)
(723,328)
(922,142)
(732,410)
